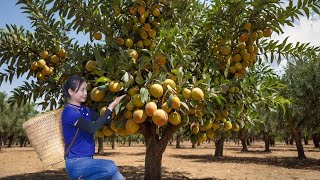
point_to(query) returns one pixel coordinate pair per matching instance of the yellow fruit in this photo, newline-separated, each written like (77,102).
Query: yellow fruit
(227,125)
(139,116)
(91,65)
(46,70)
(40,76)
(208,124)
(244,37)
(215,125)
(128,114)
(210,133)
(195,129)
(131,126)
(236,58)
(137,101)
(103,110)
(165,107)
(140,44)
(97,94)
(146,42)
(62,53)
(160,117)
(156,12)
(186,93)
(232,89)
(169,82)
(130,106)
(202,137)
(129,43)
(143,34)
(150,108)
(99,134)
(235,127)
(267,32)
(141,10)
(122,132)
(175,118)
(260,34)
(44,54)
(147,27)
(232,69)
(247,26)
(156,90)
(54,59)
(176,102)
(238,65)
(107,131)
(133,10)
(225,50)
(152,33)
(115,86)
(120,41)
(197,94)
(41,63)
(134,90)
(34,65)
(97,35)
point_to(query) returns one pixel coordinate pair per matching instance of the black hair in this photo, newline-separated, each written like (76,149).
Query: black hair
(73,82)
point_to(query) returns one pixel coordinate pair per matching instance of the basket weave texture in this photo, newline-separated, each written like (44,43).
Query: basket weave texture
(45,134)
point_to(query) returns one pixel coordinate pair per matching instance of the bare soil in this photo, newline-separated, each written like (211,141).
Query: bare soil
(185,163)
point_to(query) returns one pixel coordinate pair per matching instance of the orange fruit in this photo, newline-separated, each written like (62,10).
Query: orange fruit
(160,117)
(150,108)
(175,118)
(156,90)
(197,94)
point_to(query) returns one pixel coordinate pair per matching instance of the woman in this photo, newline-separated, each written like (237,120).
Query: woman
(80,145)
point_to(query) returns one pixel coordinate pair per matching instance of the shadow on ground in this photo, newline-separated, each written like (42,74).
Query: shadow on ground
(131,173)
(286,162)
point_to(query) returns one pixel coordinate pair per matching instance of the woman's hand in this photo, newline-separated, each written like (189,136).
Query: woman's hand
(115,102)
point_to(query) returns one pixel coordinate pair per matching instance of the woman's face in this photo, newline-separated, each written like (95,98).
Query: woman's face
(79,96)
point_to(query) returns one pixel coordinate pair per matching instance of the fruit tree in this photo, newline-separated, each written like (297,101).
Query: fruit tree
(181,61)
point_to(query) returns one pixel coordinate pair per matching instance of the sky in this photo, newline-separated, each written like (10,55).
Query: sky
(304,31)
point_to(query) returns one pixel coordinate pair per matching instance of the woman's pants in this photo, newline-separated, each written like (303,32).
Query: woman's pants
(88,168)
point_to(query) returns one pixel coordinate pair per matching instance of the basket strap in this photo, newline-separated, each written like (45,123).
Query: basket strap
(73,140)
(70,145)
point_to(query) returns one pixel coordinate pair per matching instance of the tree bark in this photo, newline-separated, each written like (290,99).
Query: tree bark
(219,147)
(100,146)
(155,147)
(113,141)
(296,135)
(244,145)
(267,143)
(315,139)
(306,138)
(11,138)
(178,141)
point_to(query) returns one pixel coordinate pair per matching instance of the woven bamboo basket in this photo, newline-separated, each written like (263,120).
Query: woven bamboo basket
(45,135)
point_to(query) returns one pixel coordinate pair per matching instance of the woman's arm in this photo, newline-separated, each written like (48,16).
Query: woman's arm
(92,127)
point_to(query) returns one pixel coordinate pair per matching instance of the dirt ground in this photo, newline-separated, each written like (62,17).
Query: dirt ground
(185,163)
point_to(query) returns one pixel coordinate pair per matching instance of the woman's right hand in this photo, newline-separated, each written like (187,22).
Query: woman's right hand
(115,102)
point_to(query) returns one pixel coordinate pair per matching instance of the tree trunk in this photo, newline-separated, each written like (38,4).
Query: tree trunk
(129,141)
(219,147)
(248,141)
(113,141)
(315,139)
(194,145)
(291,141)
(100,146)
(22,140)
(178,141)
(244,145)
(11,138)
(267,143)
(296,135)
(305,138)
(155,147)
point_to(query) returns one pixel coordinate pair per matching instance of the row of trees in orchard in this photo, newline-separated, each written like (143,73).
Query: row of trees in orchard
(187,65)
(11,120)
